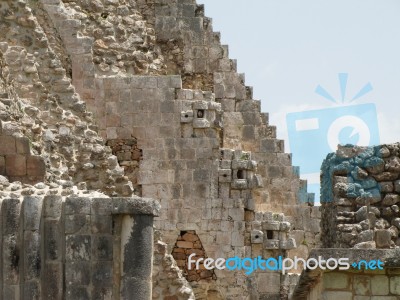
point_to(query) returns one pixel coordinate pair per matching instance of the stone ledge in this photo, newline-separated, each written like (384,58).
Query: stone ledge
(136,206)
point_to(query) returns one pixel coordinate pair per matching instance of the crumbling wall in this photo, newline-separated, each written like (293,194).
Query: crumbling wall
(168,280)
(39,102)
(360,195)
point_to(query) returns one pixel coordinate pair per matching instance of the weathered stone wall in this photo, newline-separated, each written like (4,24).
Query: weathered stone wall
(39,103)
(76,248)
(202,151)
(193,139)
(359,195)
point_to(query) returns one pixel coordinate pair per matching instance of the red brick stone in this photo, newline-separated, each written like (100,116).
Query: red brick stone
(7,145)
(35,166)
(182,244)
(178,250)
(15,165)
(198,252)
(189,237)
(179,256)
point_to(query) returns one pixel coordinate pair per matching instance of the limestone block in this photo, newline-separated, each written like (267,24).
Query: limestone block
(284,226)
(77,224)
(2,165)
(257,237)
(201,123)
(32,208)
(227,154)
(7,145)
(214,105)
(102,278)
(240,164)
(225,164)
(22,145)
(16,165)
(271,244)
(237,239)
(77,205)
(272,146)
(271,225)
(333,295)
(200,105)
(240,184)
(52,206)
(395,285)
(362,285)
(251,165)
(35,166)
(386,187)
(365,236)
(187,116)
(256,182)
(287,245)
(269,282)
(77,273)
(380,285)
(224,175)
(391,199)
(336,280)
(397,186)
(382,238)
(102,248)
(78,247)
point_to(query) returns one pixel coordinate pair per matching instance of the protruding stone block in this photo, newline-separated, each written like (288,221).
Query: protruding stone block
(270,225)
(224,175)
(240,184)
(201,123)
(382,238)
(287,245)
(187,116)
(271,244)
(257,237)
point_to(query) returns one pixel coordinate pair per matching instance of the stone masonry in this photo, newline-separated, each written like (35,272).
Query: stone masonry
(102,100)
(123,97)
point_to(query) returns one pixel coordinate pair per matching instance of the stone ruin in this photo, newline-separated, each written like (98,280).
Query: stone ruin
(129,141)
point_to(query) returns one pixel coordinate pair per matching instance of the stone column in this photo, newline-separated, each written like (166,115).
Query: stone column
(137,254)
